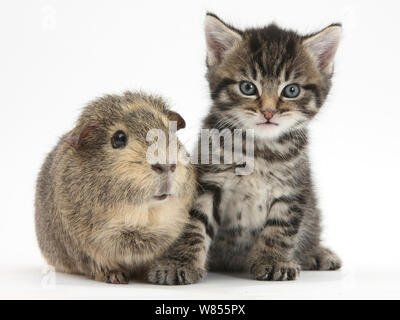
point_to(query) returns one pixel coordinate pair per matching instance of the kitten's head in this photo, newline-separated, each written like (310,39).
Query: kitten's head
(267,79)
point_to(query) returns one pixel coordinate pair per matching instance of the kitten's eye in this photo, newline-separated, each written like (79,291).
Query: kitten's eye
(119,139)
(247,88)
(291,91)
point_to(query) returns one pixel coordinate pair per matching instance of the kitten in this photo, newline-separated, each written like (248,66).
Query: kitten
(273,81)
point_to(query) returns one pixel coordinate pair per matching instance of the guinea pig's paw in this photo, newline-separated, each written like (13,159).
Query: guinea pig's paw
(175,273)
(278,271)
(114,277)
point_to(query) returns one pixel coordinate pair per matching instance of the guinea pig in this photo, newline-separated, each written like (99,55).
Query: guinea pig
(101,208)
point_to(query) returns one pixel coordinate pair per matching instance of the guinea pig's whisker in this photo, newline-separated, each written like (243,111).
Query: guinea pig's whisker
(136,162)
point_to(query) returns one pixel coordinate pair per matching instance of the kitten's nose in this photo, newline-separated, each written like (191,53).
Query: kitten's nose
(163,168)
(268,114)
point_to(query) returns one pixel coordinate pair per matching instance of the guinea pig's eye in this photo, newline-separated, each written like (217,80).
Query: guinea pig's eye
(247,88)
(119,139)
(291,91)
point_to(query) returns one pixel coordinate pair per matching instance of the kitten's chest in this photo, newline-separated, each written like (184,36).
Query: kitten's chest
(243,211)
(245,200)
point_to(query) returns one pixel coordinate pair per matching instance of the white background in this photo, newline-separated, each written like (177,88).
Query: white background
(57,55)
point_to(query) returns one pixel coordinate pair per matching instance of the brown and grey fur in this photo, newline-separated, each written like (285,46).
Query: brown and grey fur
(95,211)
(266,223)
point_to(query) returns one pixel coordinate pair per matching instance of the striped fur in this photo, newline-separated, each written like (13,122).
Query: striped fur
(266,223)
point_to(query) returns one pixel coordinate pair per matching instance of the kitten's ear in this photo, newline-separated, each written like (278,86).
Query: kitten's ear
(175,116)
(323,46)
(76,139)
(220,37)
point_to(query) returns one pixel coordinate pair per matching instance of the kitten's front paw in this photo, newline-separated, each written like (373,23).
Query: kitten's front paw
(173,272)
(114,277)
(278,271)
(322,259)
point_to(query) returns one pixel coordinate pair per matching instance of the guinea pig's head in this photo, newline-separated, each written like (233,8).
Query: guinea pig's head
(122,148)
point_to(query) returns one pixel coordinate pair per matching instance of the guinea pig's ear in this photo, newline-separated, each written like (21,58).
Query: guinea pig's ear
(76,139)
(174,116)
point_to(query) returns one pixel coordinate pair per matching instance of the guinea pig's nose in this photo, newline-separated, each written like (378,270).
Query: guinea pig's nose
(163,168)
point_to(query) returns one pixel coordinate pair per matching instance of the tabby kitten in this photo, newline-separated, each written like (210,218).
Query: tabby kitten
(273,81)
